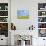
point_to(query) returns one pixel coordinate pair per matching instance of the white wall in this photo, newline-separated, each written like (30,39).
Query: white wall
(32,6)
(23,24)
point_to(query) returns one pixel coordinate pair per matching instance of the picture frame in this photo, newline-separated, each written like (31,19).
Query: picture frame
(23,14)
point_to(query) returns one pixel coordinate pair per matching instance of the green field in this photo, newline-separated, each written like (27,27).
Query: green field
(23,17)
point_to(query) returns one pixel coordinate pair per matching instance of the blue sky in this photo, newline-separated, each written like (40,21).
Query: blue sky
(22,12)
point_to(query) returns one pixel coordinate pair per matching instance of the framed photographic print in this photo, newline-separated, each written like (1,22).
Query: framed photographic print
(22,14)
